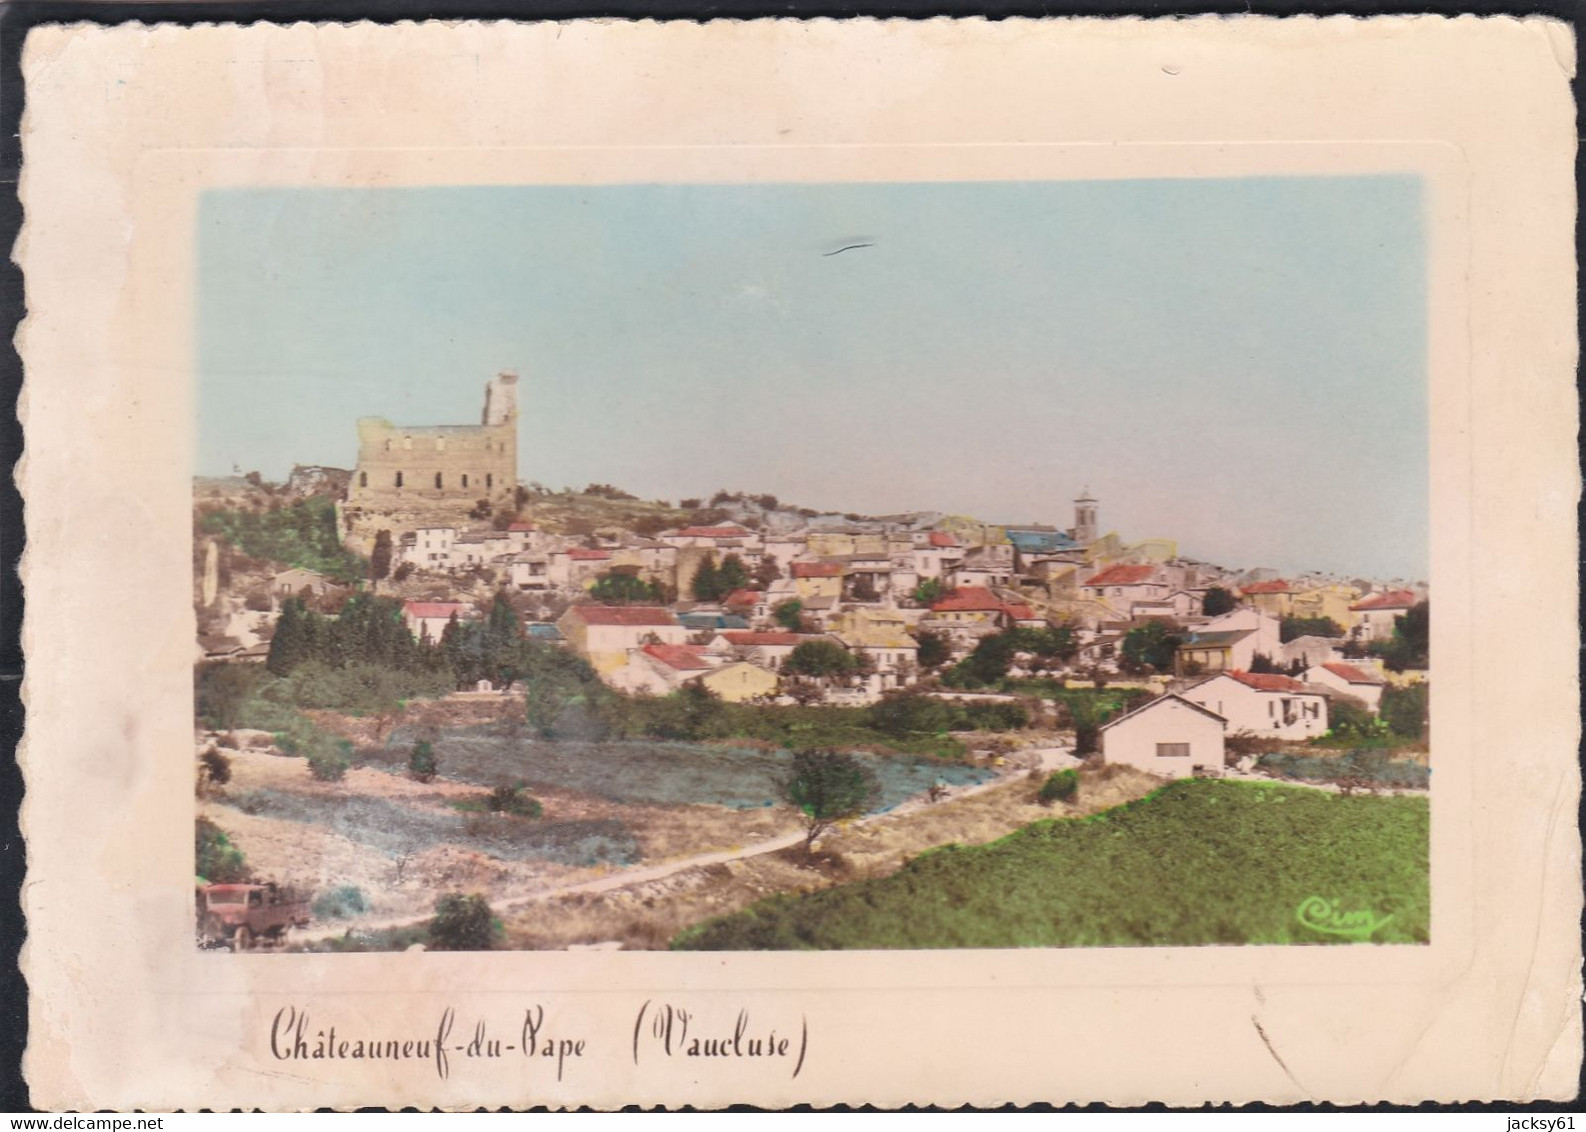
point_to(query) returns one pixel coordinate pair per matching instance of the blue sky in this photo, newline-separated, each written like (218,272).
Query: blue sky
(1238,364)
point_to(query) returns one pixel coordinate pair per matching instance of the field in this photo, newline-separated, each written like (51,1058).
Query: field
(608,809)
(1197,862)
(650,772)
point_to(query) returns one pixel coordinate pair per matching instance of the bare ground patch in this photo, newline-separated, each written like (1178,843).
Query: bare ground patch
(646,916)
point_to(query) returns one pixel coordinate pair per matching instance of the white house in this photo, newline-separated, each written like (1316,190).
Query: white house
(1349,679)
(1169,736)
(1263,703)
(430,617)
(432,548)
(767,649)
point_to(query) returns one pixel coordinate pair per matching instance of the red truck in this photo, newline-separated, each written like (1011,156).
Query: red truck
(239,915)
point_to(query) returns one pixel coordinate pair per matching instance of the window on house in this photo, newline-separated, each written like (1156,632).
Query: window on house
(1172,750)
(465,479)
(399,479)
(1272,708)
(490,479)
(363,479)
(437,479)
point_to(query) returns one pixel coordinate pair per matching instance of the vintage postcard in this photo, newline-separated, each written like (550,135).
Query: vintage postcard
(853,562)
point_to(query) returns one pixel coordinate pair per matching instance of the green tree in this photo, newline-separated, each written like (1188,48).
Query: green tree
(820,659)
(707,580)
(987,664)
(789,614)
(912,713)
(1411,641)
(934,649)
(1218,601)
(222,691)
(422,763)
(624,588)
(826,787)
(290,646)
(929,591)
(1151,645)
(733,575)
(462,923)
(380,557)
(1292,627)
(1405,710)
(215,858)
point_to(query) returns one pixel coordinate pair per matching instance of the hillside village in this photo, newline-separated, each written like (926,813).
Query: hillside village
(756,602)
(637,665)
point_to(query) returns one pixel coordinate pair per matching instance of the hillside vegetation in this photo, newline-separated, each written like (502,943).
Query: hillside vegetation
(1197,862)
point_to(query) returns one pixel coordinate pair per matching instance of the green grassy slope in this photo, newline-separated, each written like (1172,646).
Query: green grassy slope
(1198,862)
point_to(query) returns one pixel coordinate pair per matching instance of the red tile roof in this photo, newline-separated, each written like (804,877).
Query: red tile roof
(623,615)
(817,569)
(584,554)
(1393,599)
(712,532)
(1122,576)
(744,597)
(968,599)
(521,527)
(1277,586)
(1354,675)
(435,609)
(749,639)
(943,539)
(686,657)
(1020,612)
(1270,682)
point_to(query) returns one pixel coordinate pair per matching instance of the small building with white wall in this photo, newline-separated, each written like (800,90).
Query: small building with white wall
(1169,736)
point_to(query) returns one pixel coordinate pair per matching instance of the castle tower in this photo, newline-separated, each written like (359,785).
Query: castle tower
(1085,518)
(413,476)
(501,399)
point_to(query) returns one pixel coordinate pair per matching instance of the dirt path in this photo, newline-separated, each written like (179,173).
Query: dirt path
(664,869)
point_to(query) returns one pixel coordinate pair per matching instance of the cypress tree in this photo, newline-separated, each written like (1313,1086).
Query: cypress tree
(732,576)
(707,585)
(289,647)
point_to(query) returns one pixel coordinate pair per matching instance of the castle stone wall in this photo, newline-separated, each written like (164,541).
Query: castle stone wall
(432,475)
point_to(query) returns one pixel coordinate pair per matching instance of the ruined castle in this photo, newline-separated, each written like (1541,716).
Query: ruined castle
(409,477)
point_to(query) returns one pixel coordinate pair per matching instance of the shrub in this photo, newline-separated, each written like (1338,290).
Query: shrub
(1061,786)
(216,767)
(462,923)
(995,716)
(422,763)
(216,859)
(328,756)
(330,763)
(909,713)
(512,800)
(339,903)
